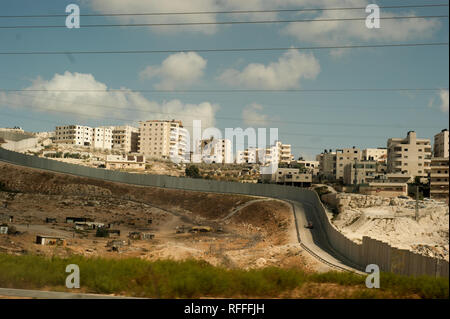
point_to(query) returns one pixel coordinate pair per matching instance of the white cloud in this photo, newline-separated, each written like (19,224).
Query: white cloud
(444,100)
(105,106)
(345,32)
(159,6)
(319,32)
(178,70)
(286,73)
(253,117)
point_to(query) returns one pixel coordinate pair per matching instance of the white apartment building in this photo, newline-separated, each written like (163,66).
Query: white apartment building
(99,137)
(285,153)
(274,154)
(250,155)
(213,151)
(441,144)
(375,154)
(74,134)
(102,138)
(410,156)
(125,138)
(164,139)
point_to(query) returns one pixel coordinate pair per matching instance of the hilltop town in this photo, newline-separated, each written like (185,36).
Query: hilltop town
(378,192)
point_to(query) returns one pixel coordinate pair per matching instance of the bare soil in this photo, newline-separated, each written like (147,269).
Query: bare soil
(260,234)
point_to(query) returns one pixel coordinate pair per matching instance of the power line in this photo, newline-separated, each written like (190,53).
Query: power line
(232,90)
(228,50)
(224,12)
(218,22)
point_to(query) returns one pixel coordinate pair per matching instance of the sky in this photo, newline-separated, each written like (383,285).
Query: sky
(309,121)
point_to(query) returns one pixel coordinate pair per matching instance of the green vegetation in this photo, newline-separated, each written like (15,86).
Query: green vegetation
(192,171)
(193,279)
(54,155)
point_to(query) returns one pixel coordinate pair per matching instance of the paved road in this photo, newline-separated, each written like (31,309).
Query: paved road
(37,294)
(316,239)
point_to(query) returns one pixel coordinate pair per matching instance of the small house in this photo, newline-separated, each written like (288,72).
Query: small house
(88,225)
(50,241)
(140,236)
(50,220)
(78,220)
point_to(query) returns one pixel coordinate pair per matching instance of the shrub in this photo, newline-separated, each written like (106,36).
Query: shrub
(192,171)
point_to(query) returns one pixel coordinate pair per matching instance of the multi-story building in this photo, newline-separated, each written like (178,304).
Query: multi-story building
(344,157)
(274,154)
(288,176)
(74,134)
(102,138)
(310,166)
(441,144)
(284,153)
(375,154)
(250,155)
(125,138)
(99,137)
(359,172)
(327,164)
(163,139)
(439,178)
(179,143)
(410,155)
(213,151)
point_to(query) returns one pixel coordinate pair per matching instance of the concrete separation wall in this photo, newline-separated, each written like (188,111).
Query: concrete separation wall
(19,146)
(369,252)
(15,136)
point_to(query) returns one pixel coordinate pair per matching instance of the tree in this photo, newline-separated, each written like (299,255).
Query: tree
(192,171)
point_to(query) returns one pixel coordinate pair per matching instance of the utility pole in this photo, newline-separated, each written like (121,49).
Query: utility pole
(417,202)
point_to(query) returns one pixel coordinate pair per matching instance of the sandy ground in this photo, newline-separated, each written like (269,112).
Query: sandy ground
(259,234)
(396,225)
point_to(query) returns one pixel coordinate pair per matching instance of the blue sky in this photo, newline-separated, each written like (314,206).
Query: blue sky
(310,122)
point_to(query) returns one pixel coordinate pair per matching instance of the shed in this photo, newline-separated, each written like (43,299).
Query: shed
(50,241)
